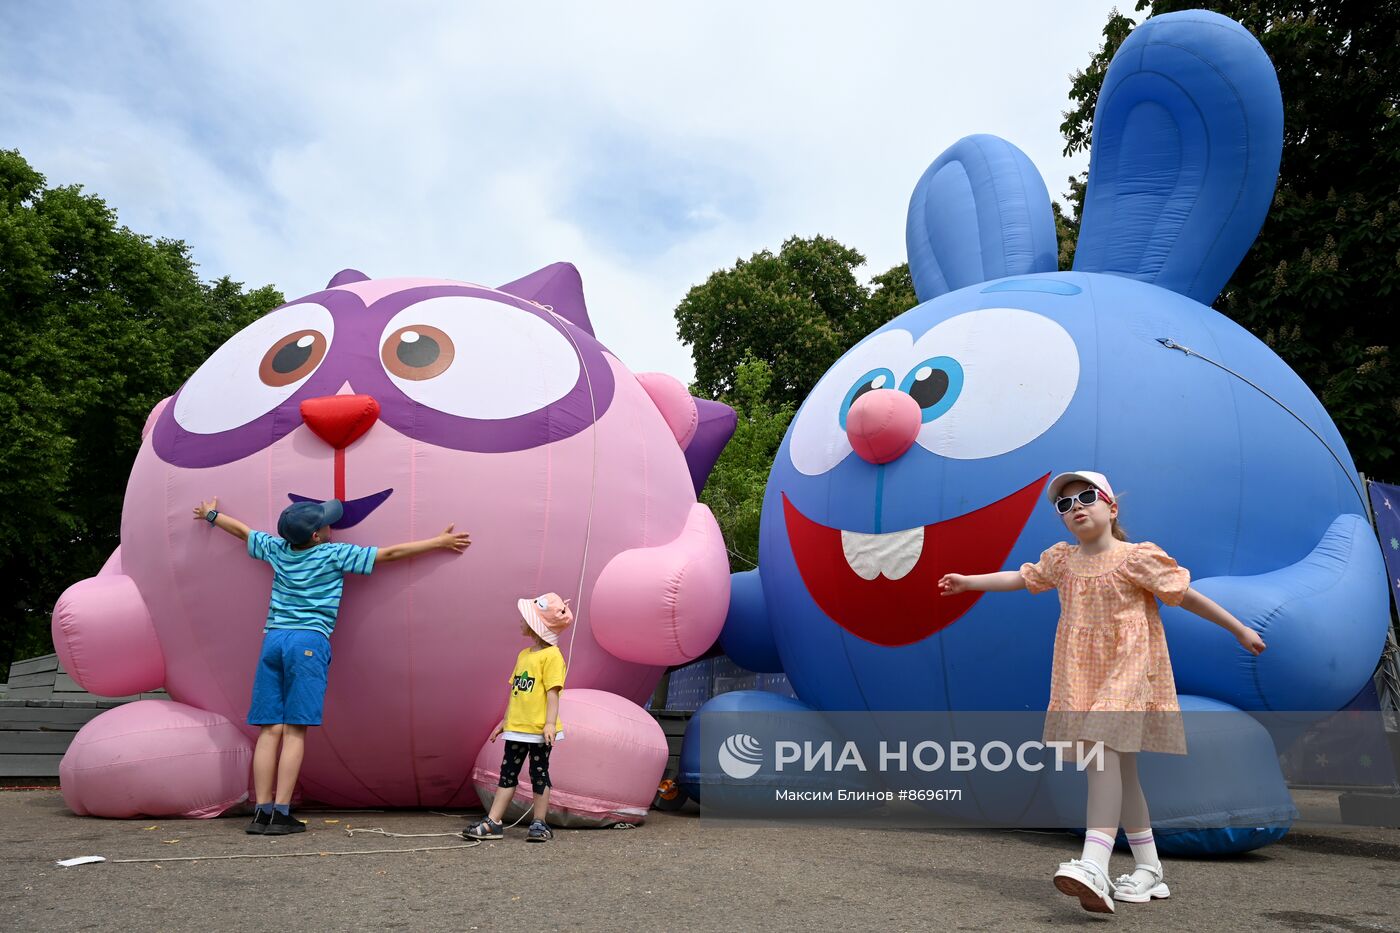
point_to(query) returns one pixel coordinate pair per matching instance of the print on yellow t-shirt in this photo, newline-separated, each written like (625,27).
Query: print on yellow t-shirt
(536,673)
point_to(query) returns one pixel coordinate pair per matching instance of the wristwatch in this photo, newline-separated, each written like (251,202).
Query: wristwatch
(211,515)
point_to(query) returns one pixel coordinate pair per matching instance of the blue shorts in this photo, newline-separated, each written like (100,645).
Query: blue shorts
(290,686)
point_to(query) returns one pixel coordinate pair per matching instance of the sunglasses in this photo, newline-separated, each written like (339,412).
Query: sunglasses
(1086,498)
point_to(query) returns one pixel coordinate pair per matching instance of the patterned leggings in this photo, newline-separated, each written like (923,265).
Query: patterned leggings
(515,757)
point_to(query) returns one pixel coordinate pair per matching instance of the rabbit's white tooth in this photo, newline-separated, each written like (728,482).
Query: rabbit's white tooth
(893,554)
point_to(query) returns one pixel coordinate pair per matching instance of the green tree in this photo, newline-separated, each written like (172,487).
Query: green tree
(1319,285)
(797,311)
(734,491)
(1067,225)
(99,324)
(761,335)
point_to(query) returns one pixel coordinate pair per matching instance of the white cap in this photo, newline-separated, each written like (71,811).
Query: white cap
(1097,480)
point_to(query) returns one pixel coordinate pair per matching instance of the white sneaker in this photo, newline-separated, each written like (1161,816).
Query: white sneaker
(1088,882)
(1140,892)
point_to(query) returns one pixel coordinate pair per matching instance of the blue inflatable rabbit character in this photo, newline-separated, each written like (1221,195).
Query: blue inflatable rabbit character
(1017,371)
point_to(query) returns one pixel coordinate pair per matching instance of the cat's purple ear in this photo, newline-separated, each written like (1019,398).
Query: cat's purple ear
(557,286)
(716,423)
(345,277)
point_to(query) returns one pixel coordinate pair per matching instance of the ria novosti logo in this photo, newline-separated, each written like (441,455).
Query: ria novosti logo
(741,756)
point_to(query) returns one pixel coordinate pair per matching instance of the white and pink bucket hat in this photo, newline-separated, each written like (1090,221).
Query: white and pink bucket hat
(547,616)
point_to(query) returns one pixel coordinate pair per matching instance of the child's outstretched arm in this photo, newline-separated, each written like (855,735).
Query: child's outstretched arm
(1003,582)
(448,540)
(227,522)
(1208,609)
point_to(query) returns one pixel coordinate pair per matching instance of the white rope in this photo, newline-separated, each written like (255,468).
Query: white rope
(734,553)
(526,812)
(593,482)
(463,816)
(385,832)
(215,858)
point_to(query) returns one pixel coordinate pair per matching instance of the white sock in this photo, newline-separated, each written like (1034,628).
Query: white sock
(1144,853)
(1097,848)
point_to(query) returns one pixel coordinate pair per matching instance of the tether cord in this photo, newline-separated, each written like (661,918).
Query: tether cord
(567,326)
(1171,344)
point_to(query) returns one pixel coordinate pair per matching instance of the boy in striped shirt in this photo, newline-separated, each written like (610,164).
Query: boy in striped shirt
(308,572)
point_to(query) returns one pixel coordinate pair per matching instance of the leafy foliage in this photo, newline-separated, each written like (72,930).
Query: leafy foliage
(761,335)
(1319,285)
(797,311)
(734,491)
(100,324)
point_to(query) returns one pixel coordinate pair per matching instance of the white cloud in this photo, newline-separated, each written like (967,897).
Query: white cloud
(284,142)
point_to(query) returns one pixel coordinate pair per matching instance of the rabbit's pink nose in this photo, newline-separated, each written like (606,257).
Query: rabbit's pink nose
(882,424)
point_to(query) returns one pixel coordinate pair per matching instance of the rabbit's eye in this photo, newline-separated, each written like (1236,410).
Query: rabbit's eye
(935,384)
(1014,372)
(987,382)
(818,441)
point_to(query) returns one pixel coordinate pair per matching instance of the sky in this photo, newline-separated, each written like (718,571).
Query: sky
(649,144)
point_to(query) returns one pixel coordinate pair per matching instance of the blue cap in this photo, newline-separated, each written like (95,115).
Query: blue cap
(300,520)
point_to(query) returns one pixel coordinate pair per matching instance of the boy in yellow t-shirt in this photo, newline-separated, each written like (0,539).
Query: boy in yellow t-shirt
(531,724)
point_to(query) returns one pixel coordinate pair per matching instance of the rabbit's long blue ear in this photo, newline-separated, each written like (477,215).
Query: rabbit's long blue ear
(1187,137)
(979,212)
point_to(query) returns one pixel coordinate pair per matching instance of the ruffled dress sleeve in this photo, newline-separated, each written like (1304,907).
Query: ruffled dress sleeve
(1155,571)
(1046,573)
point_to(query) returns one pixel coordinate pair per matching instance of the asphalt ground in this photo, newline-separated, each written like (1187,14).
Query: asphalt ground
(680,871)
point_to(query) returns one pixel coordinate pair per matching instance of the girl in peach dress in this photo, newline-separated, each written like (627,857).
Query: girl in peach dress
(1111,678)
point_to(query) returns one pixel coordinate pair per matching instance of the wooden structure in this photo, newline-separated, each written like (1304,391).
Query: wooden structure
(41,709)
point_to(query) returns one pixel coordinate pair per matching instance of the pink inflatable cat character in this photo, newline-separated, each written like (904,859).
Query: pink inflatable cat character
(494,408)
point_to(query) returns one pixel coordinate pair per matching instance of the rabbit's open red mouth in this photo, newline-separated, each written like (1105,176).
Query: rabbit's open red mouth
(884,587)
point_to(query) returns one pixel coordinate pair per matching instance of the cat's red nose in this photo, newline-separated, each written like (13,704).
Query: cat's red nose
(340,420)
